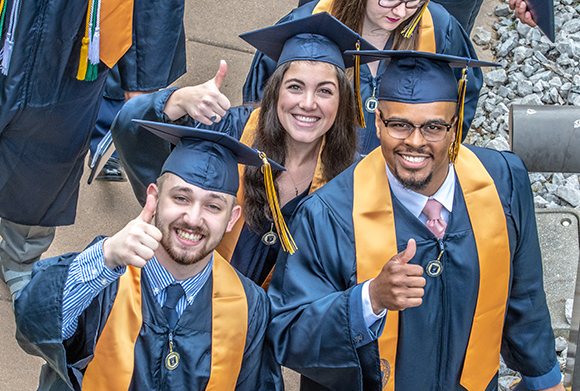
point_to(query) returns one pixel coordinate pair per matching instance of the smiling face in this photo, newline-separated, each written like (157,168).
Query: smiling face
(378,18)
(192,220)
(419,165)
(308,101)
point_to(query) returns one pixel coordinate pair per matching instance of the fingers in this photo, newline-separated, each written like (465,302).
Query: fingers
(221,74)
(148,210)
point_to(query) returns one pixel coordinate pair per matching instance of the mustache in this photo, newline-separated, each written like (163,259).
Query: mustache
(420,151)
(190,229)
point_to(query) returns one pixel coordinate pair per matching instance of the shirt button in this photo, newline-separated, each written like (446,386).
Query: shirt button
(104,281)
(358,338)
(95,272)
(156,290)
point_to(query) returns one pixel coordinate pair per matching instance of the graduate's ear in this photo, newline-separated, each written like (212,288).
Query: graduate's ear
(234,216)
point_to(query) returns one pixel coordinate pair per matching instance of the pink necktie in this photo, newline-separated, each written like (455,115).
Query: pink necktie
(435,223)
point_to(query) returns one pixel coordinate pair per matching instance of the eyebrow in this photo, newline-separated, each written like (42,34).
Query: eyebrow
(429,121)
(212,195)
(294,80)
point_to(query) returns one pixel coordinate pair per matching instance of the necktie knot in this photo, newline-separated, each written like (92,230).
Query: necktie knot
(435,223)
(174,293)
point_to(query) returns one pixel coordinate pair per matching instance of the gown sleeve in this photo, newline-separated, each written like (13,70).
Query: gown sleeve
(154,60)
(528,343)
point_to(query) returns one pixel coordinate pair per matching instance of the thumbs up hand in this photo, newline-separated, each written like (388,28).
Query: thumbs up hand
(204,102)
(399,285)
(136,243)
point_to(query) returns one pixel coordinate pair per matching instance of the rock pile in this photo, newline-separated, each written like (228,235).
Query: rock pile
(534,71)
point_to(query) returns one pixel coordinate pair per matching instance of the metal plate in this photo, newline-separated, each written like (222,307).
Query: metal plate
(558,231)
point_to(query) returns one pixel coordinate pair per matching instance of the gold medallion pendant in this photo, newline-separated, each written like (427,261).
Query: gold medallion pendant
(172,358)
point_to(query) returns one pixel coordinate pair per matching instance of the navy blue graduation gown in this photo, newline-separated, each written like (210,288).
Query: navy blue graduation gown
(317,327)
(38,312)
(450,38)
(47,115)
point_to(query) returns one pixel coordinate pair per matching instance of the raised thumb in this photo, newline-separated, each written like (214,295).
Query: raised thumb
(148,210)
(221,74)
(407,254)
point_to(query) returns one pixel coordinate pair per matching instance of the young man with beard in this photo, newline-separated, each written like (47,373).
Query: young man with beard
(153,307)
(384,294)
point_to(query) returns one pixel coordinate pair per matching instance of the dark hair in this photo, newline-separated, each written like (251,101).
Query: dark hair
(352,13)
(338,152)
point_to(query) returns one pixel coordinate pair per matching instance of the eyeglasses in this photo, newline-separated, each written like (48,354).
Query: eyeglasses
(395,3)
(431,131)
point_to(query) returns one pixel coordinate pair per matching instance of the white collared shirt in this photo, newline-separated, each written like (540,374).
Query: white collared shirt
(415,202)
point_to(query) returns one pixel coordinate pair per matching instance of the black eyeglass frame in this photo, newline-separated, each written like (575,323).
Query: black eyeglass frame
(420,127)
(406,2)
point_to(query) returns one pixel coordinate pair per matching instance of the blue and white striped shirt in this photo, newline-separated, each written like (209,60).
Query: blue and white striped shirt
(88,276)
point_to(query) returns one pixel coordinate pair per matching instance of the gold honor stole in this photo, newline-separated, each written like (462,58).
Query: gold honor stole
(426,30)
(112,366)
(228,244)
(373,218)
(116,30)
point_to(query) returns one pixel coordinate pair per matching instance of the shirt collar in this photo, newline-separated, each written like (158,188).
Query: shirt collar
(415,202)
(160,279)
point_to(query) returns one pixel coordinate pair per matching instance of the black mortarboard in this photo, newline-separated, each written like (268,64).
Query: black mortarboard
(421,77)
(209,160)
(320,37)
(205,158)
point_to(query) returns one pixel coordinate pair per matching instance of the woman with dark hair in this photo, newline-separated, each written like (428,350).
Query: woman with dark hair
(387,24)
(306,122)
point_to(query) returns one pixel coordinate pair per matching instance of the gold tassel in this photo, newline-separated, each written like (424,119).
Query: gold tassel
(454,149)
(360,113)
(283,233)
(84,57)
(82,72)
(410,28)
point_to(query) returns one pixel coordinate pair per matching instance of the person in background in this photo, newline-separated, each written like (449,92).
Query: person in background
(46,121)
(419,264)
(306,121)
(153,307)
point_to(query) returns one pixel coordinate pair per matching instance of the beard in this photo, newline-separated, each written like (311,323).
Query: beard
(181,254)
(411,182)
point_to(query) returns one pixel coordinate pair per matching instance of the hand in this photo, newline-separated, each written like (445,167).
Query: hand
(204,103)
(136,243)
(521,12)
(132,94)
(399,285)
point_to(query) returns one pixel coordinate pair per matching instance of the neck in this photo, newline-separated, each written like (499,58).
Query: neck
(377,36)
(178,271)
(298,154)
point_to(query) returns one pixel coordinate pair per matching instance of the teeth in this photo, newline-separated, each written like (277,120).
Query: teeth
(413,159)
(305,119)
(188,236)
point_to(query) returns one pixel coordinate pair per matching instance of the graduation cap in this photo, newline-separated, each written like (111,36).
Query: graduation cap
(319,37)
(543,14)
(209,160)
(421,77)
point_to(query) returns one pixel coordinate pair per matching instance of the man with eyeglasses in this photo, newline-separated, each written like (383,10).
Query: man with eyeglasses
(418,265)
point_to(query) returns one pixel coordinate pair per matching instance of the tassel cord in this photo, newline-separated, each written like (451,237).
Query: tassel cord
(286,239)
(9,39)
(410,28)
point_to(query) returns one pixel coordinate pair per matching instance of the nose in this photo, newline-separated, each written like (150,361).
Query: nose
(308,101)
(400,10)
(192,216)
(416,139)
